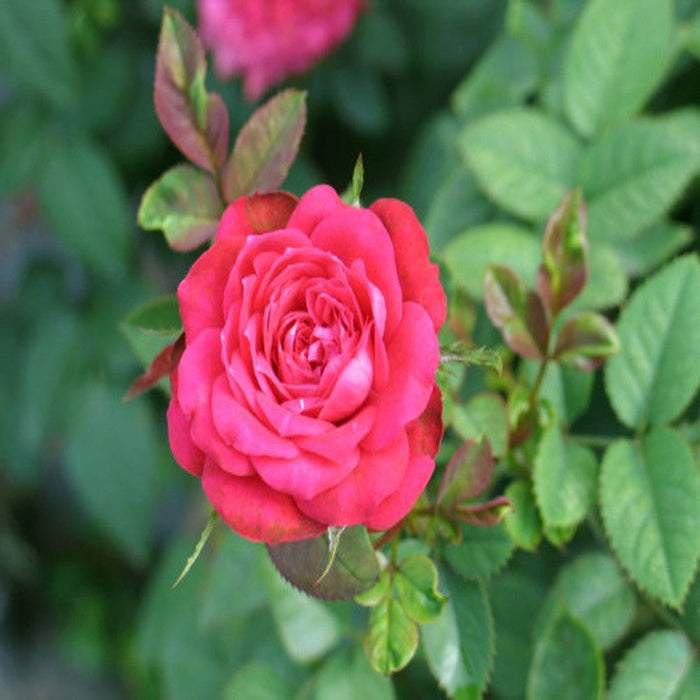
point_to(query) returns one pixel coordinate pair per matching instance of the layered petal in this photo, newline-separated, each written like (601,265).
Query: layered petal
(201,293)
(186,453)
(356,498)
(357,234)
(414,355)
(254,510)
(419,278)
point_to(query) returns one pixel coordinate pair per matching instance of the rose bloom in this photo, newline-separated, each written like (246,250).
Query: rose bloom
(306,395)
(267,40)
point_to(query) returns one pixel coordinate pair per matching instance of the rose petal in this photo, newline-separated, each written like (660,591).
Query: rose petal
(201,293)
(336,441)
(200,367)
(351,388)
(241,429)
(425,432)
(419,278)
(288,423)
(355,498)
(186,453)
(254,510)
(307,474)
(399,504)
(352,234)
(317,204)
(414,355)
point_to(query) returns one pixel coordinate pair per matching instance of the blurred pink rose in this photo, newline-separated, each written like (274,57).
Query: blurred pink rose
(306,394)
(267,40)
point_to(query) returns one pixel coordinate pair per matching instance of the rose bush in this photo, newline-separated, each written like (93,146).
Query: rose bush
(306,394)
(267,40)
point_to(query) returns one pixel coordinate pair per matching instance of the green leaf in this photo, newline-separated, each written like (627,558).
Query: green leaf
(459,645)
(567,662)
(517,312)
(691,610)
(657,373)
(198,548)
(565,479)
(650,502)
(484,414)
(469,254)
(595,592)
(564,271)
(24,131)
(515,600)
(524,160)
(585,341)
(467,474)
(86,205)
(614,63)
(34,49)
(266,146)
(656,667)
(353,570)
(391,639)
(196,121)
(416,583)
(184,204)
(110,456)
(306,626)
(567,390)
(159,317)
(457,206)
(632,175)
(256,681)
(505,74)
(523,523)
(376,593)
(607,284)
(645,252)
(348,676)
(482,552)
(235,559)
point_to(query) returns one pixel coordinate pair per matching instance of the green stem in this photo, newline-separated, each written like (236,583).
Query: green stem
(592,440)
(538,382)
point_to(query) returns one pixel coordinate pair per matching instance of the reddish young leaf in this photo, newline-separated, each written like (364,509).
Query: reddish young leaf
(585,341)
(266,146)
(196,121)
(564,271)
(270,211)
(485,514)
(161,366)
(517,312)
(467,473)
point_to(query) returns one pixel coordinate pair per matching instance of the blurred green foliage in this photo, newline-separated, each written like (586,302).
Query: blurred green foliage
(471,112)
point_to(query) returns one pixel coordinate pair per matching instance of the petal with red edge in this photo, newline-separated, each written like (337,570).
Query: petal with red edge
(234,222)
(414,355)
(355,499)
(358,234)
(254,510)
(425,432)
(399,503)
(201,293)
(186,453)
(419,278)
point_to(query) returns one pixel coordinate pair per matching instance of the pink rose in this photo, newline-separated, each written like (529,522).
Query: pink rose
(306,395)
(267,40)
